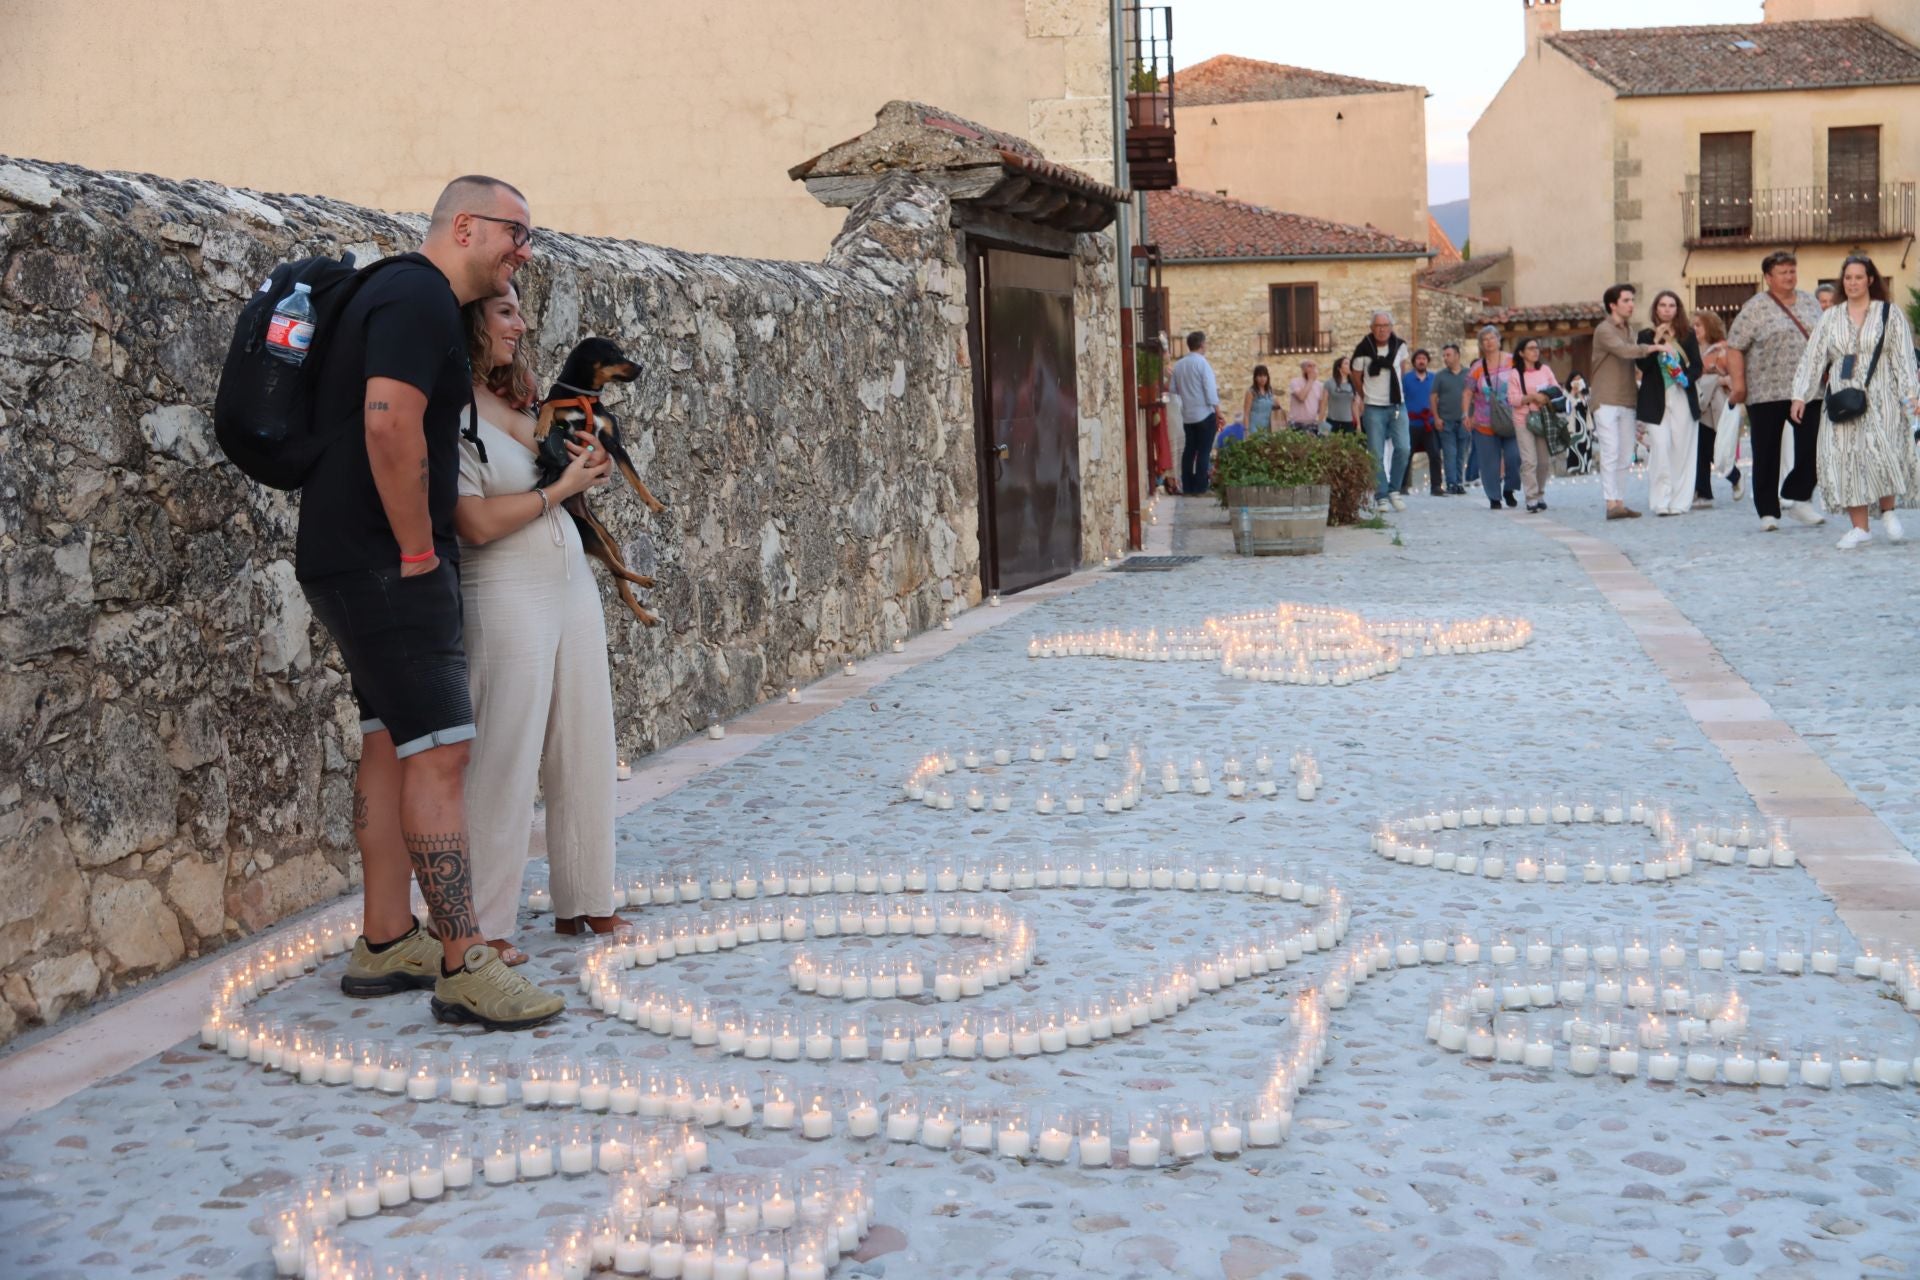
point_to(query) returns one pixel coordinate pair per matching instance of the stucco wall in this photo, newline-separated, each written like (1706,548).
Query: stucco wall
(1228,300)
(1659,138)
(653,120)
(1608,206)
(1301,156)
(1542,168)
(176,737)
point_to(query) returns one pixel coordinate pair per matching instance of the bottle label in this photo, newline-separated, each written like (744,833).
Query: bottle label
(289,333)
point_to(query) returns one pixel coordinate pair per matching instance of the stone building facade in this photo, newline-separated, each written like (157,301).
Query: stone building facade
(176,736)
(1234,270)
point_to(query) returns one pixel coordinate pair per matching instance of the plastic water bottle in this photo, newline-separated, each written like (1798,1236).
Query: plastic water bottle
(290,332)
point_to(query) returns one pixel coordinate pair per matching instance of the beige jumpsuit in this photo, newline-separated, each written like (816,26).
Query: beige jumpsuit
(542,701)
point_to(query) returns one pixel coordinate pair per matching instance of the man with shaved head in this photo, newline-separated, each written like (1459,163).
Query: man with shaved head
(378,560)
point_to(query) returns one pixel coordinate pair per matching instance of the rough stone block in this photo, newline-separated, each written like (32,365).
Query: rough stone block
(46,895)
(131,920)
(196,888)
(120,789)
(61,983)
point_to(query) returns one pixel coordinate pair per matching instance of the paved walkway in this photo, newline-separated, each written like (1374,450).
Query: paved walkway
(1666,661)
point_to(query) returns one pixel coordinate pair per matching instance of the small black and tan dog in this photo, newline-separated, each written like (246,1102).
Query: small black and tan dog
(573,405)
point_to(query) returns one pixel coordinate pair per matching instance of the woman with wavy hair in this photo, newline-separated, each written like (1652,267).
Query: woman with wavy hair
(536,651)
(1669,406)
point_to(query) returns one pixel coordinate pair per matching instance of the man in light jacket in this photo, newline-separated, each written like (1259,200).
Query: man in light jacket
(1199,393)
(1613,393)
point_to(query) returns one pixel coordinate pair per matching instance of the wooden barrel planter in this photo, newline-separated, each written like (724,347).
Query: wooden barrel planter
(1274,521)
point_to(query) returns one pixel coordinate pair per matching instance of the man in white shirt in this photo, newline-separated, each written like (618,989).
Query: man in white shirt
(1199,393)
(1378,361)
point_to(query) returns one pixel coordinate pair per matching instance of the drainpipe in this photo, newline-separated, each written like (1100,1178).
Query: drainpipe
(1123,274)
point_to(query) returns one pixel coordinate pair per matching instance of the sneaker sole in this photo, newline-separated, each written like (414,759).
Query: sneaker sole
(391,984)
(460,1015)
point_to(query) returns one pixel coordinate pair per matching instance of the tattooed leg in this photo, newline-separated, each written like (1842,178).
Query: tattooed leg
(385,870)
(434,822)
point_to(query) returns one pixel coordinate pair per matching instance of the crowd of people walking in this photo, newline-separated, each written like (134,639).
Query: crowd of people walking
(1836,375)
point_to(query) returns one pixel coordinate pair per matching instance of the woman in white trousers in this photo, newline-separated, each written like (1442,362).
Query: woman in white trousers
(1669,406)
(536,653)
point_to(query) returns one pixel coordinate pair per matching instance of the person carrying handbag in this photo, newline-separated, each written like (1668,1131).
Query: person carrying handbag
(1546,432)
(1860,361)
(1488,405)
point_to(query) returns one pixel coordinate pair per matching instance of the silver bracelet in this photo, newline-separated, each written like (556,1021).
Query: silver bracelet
(544,508)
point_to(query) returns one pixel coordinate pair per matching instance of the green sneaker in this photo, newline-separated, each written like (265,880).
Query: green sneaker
(409,964)
(490,993)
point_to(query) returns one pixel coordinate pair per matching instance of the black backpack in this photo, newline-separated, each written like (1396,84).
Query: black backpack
(263,412)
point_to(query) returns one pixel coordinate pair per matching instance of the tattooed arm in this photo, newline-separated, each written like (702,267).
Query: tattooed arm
(397,450)
(440,866)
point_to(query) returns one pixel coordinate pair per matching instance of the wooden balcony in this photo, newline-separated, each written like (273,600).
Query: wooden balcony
(1781,216)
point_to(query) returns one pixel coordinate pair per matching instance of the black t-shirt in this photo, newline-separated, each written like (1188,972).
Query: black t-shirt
(403,324)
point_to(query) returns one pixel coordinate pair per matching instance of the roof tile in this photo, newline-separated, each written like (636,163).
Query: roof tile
(1228,78)
(1745,58)
(1189,224)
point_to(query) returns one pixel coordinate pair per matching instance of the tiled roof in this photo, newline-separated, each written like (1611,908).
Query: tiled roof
(1581,312)
(1228,79)
(1746,58)
(1448,274)
(1189,224)
(1442,245)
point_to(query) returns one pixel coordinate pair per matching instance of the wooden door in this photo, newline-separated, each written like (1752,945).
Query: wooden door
(1029,424)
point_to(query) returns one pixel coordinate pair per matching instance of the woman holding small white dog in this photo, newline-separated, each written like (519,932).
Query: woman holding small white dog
(536,651)
(1860,361)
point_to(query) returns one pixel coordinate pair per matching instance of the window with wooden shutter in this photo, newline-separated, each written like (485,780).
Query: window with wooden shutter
(1294,319)
(1853,180)
(1726,184)
(1724,295)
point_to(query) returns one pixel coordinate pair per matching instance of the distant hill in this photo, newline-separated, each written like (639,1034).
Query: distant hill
(1452,217)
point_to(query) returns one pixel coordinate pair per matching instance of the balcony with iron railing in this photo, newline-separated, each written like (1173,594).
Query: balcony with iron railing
(1149,51)
(1300,343)
(1797,215)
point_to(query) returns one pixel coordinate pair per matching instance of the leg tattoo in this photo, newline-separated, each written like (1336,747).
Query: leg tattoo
(440,865)
(359,814)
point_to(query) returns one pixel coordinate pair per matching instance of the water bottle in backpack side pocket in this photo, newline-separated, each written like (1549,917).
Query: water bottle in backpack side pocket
(290,331)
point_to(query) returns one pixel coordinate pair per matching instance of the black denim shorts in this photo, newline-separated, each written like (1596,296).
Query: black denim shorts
(405,650)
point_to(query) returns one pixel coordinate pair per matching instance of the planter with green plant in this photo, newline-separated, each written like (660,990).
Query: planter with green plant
(1276,485)
(1149,365)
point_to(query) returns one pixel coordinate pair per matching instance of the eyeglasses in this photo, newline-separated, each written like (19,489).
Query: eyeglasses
(521,231)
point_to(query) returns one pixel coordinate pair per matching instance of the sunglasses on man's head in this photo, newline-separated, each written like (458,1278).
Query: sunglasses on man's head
(521,231)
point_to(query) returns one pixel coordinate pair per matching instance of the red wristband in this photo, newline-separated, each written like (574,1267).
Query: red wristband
(422,558)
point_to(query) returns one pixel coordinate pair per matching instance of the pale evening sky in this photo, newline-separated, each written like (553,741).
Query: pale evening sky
(1462,50)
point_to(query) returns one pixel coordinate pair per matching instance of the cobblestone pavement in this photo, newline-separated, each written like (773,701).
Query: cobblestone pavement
(1818,632)
(1403,1161)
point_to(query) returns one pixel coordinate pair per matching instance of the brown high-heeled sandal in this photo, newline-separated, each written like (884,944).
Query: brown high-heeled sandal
(574,925)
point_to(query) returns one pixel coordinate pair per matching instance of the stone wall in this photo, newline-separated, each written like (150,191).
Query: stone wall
(1446,315)
(1228,300)
(175,735)
(1103,423)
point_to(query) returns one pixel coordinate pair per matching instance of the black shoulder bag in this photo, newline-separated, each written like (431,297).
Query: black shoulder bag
(1849,403)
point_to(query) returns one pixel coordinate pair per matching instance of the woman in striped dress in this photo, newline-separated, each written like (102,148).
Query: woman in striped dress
(1867,462)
